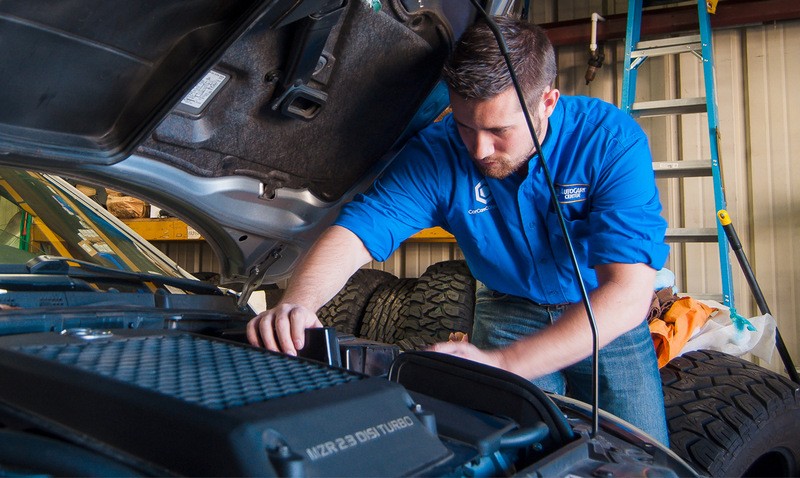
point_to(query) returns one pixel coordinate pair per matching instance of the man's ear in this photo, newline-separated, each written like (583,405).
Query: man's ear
(549,99)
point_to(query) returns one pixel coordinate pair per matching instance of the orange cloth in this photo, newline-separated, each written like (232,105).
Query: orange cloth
(675,328)
(662,301)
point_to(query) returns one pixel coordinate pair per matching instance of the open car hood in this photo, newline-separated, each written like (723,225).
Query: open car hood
(252,120)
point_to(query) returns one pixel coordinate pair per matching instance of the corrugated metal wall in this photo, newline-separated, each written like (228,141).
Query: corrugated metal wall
(413,258)
(193,256)
(759,109)
(770,172)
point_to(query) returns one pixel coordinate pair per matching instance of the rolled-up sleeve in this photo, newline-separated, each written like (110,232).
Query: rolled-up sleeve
(625,219)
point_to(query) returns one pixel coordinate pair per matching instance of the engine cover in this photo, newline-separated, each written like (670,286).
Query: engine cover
(196,405)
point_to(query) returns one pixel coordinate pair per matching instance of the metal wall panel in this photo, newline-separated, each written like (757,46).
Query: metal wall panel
(771,58)
(412,258)
(193,256)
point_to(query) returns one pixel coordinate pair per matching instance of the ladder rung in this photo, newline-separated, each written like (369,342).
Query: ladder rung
(670,41)
(669,107)
(682,169)
(689,234)
(667,46)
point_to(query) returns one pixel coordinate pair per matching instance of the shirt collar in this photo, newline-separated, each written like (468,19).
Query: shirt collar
(554,124)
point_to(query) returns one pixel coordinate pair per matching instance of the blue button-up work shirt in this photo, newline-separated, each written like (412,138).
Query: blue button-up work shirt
(508,230)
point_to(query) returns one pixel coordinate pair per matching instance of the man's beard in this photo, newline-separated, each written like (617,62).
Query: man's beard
(502,166)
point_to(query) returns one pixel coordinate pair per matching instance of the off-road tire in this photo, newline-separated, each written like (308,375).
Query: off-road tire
(382,314)
(346,309)
(443,301)
(730,417)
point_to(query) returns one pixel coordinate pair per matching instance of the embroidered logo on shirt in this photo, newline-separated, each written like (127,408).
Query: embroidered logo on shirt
(484,196)
(568,193)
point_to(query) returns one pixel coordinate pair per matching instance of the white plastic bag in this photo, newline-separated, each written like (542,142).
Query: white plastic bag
(721,334)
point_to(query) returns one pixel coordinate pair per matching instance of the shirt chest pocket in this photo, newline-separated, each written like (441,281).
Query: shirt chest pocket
(576,219)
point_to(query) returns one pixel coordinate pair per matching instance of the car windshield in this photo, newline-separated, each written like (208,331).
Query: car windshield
(44,215)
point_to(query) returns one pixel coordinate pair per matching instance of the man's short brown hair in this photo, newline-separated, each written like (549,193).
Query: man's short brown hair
(477,70)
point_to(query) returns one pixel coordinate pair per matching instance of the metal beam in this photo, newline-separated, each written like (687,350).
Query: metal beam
(730,13)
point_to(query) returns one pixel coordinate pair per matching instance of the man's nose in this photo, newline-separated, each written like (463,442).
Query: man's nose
(483,147)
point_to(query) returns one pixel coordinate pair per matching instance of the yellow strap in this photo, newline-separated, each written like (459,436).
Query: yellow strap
(711,6)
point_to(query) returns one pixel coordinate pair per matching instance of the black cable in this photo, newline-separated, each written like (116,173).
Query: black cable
(554,201)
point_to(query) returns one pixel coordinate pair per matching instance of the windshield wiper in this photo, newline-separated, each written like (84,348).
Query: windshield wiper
(59,265)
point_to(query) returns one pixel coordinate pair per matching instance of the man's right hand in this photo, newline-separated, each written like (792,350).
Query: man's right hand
(336,255)
(282,328)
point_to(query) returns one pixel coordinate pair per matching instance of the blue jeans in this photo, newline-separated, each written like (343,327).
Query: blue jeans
(629,381)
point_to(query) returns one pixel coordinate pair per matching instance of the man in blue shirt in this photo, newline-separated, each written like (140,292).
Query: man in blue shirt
(477,174)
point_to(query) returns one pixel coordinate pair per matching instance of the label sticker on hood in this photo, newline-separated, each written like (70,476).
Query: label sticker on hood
(203,92)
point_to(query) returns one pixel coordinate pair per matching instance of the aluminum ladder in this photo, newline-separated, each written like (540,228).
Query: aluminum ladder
(636,52)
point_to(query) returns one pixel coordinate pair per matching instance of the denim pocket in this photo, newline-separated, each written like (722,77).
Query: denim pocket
(484,294)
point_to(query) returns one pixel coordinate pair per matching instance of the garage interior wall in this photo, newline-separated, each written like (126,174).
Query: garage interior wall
(759,113)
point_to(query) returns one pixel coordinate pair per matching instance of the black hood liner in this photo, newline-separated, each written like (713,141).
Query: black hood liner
(85,80)
(377,74)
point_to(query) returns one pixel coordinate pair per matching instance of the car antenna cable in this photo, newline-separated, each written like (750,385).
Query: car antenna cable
(553,198)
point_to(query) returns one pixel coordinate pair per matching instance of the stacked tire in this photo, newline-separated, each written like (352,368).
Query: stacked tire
(442,302)
(411,313)
(346,309)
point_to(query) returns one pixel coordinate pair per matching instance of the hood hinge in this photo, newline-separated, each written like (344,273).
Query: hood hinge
(257,275)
